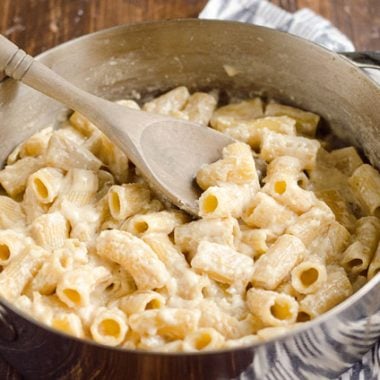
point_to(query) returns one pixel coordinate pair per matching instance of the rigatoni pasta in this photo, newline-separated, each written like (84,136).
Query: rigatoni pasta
(273,309)
(109,326)
(287,250)
(11,214)
(365,183)
(287,230)
(135,256)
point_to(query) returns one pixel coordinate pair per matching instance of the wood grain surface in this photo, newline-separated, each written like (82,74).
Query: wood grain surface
(37,25)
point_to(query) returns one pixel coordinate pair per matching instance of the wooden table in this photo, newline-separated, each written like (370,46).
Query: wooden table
(37,25)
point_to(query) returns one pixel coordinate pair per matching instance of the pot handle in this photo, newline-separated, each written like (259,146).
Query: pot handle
(364,59)
(368,61)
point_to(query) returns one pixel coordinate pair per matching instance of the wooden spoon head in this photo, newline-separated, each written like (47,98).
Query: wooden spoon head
(172,152)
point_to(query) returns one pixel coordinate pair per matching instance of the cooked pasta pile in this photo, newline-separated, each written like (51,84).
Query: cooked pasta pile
(86,247)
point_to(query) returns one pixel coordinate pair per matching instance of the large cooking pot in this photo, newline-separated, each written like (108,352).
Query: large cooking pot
(134,60)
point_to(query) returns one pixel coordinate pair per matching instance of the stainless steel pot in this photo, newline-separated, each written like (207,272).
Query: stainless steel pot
(145,58)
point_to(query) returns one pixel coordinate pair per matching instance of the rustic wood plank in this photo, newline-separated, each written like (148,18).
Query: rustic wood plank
(358,19)
(56,21)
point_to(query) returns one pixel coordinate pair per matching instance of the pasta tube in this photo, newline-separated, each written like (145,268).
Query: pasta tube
(222,231)
(11,213)
(46,184)
(127,200)
(135,256)
(203,339)
(223,264)
(272,308)
(358,255)
(287,250)
(75,286)
(237,166)
(232,114)
(109,327)
(365,184)
(336,289)
(310,275)
(307,122)
(274,145)
(276,220)
(20,271)
(173,323)
(225,201)
(50,230)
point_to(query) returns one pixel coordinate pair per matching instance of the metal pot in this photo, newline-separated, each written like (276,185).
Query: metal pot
(130,60)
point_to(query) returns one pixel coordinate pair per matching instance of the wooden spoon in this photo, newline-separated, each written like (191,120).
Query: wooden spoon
(167,151)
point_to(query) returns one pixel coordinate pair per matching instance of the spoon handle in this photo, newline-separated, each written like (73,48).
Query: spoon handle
(22,67)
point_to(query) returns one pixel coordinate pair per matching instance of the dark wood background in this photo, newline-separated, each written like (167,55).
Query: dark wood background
(37,25)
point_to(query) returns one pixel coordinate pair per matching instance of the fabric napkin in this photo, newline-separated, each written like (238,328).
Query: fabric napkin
(307,24)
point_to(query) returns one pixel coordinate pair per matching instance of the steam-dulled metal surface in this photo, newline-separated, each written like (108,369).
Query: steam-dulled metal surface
(143,59)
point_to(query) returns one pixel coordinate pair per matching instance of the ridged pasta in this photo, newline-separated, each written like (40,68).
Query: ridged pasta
(65,154)
(272,308)
(347,160)
(204,339)
(173,323)
(358,255)
(256,214)
(109,327)
(68,323)
(135,256)
(223,264)
(222,231)
(50,230)
(310,275)
(127,200)
(141,300)
(336,289)
(154,222)
(169,103)
(275,144)
(12,243)
(20,271)
(185,282)
(46,184)
(237,166)
(306,122)
(11,213)
(75,286)
(200,107)
(365,183)
(287,250)
(225,201)
(232,114)
(13,178)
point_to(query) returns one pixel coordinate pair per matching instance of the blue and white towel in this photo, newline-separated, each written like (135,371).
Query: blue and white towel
(304,23)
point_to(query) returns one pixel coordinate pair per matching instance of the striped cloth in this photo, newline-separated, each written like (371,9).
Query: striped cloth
(304,23)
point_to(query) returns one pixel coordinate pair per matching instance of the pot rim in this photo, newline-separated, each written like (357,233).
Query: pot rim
(338,309)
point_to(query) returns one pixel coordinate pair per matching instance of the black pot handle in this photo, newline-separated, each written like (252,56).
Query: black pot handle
(364,59)
(368,61)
